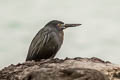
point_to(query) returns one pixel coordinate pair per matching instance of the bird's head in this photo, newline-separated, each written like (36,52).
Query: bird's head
(60,25)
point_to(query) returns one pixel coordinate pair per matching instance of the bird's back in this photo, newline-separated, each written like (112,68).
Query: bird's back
(45,44)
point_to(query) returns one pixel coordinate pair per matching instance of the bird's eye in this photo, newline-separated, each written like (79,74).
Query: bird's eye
(59,25)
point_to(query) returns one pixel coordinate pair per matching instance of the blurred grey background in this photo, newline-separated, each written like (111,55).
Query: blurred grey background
(98,37)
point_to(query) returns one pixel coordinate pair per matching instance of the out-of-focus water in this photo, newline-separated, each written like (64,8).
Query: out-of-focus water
(98,36)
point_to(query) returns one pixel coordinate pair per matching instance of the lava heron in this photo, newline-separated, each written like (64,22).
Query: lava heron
(48,41)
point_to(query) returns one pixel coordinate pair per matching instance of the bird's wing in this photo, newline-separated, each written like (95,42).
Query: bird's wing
(38,42)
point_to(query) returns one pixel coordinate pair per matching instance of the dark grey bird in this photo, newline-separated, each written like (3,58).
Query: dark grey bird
(48,41)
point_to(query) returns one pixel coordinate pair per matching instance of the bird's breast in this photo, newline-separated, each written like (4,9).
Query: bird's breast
(57,39)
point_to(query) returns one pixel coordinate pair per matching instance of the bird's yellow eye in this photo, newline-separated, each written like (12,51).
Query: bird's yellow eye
(59,25)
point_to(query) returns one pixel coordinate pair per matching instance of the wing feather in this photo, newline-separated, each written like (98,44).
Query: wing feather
(38,42)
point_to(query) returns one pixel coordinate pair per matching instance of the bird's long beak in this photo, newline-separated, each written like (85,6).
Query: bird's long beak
(71,25)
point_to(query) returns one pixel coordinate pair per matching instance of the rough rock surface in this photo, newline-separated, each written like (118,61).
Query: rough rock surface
(59,69)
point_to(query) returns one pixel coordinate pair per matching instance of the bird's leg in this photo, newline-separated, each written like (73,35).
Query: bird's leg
(47,60)
(52,56)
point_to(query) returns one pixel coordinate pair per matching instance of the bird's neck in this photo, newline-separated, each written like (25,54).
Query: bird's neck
(61,35)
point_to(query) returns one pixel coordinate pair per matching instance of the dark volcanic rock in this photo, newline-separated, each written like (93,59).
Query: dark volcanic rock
(59,69)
